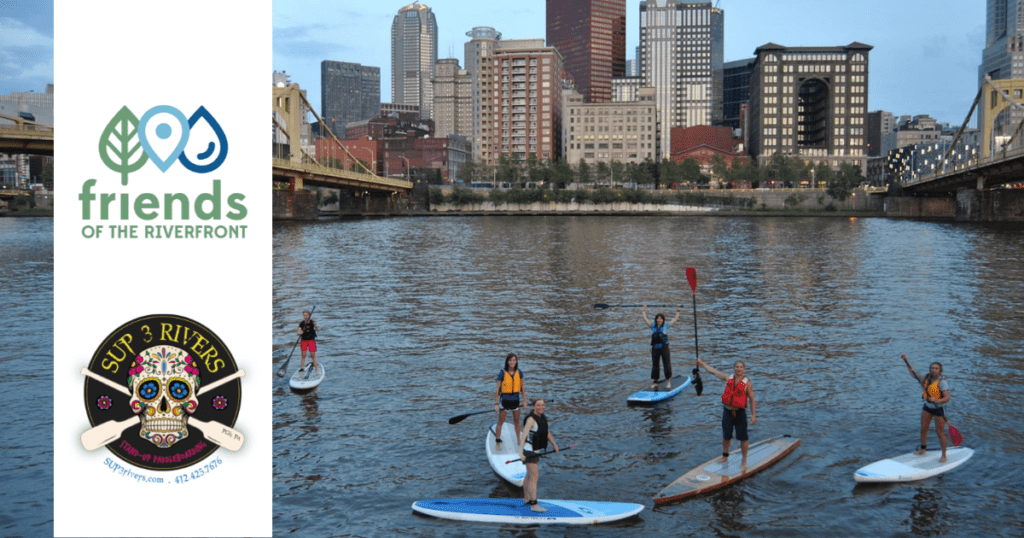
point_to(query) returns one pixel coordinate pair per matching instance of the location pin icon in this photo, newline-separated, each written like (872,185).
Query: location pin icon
(165,141)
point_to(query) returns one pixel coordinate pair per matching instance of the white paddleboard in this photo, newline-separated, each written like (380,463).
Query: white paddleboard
(909,467)
(715,474)
(658,394)
(300,381)
(515,511)
(514,472)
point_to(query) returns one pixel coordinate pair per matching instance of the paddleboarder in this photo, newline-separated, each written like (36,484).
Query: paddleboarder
(659,344)
(541,437)
(307,329)
(936,395)
(510,395)
(738,392)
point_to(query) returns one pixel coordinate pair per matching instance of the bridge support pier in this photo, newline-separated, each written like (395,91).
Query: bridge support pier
(992,205)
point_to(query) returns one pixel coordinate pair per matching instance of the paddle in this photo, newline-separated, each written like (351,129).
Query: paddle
(104,434)
(954,434)
(542,454)
(86,372)
(284,369)
(459,418)
(691,277)
(602,306)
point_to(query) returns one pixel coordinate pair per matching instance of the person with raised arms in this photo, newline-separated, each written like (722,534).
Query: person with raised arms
(510,395)
(659,344)
(540,440)
(738,392)
(936,395)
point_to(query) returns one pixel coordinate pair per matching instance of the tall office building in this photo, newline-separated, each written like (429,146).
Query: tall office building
(681,56)
(810,102)
(526,101)
(735,90)
(1003,55)
(452,104)
(479,50)
(349,92)
(591,36)
(413,57)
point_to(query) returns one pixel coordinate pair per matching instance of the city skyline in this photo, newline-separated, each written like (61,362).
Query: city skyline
(935,51)
(925,60)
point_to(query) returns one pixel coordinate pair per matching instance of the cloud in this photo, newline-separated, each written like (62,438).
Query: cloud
(26,57)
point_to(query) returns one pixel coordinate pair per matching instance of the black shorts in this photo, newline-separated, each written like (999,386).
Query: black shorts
(739,421)
(531,457)
(936,412)
(510,401)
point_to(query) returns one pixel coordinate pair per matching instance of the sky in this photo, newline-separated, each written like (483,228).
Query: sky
(925,57)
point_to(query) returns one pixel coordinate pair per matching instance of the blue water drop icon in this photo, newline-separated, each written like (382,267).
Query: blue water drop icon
(163,133)
(222,142)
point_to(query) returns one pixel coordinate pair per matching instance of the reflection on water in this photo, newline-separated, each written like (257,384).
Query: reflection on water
(418,314)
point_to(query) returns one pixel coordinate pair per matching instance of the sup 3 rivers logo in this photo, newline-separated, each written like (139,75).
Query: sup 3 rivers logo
(162,138)
(162,392)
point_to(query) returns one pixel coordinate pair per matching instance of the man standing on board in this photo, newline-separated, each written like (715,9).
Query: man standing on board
(738,392)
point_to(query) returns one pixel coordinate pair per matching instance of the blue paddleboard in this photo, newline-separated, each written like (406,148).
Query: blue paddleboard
(659,394)
(515,511)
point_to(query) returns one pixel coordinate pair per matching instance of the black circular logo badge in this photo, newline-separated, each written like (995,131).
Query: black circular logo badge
(162,392)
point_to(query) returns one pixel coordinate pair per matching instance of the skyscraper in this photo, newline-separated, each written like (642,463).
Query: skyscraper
(453,106)
(413,56)
(591,36)
(681,55)
(478,51)
(810,102)
(349,92)
(1003,55)
(526,101)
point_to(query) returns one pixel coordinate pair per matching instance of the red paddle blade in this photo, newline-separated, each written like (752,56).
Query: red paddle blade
(954,435)
(691,277)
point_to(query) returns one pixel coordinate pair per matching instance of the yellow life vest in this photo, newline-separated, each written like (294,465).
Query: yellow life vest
(933,390)
(511,384)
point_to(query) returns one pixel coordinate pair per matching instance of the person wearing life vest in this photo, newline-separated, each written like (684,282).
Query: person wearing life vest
(659,344)
(510,395)
(935,393)
(540,440)
(738,395)
(307,329)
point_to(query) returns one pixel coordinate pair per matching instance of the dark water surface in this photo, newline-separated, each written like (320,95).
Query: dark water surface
(26,367)
(418,314)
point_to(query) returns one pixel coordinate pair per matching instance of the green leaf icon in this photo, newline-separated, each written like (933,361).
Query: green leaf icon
(116,139)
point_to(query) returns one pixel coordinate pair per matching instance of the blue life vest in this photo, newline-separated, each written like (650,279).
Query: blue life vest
(659,336)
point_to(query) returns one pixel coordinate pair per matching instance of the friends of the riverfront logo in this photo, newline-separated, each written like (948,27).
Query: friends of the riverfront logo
(162,392)
(162,135)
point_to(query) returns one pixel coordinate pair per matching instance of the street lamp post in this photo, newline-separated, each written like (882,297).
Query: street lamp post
(406,167)
(373,159)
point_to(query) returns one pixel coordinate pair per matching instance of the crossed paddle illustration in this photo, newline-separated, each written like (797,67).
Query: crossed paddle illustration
(215,432)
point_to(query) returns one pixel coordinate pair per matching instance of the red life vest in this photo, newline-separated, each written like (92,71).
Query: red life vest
(735,394)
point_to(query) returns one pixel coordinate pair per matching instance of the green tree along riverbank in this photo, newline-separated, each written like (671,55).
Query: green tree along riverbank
(545,199)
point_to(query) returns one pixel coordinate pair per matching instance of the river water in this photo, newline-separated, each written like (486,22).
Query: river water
(417,316)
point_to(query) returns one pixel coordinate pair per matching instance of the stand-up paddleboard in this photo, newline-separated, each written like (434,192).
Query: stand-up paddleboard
(300,381)
(514,472)
(715,474)
(659,394)
(909,467)
(515,511)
